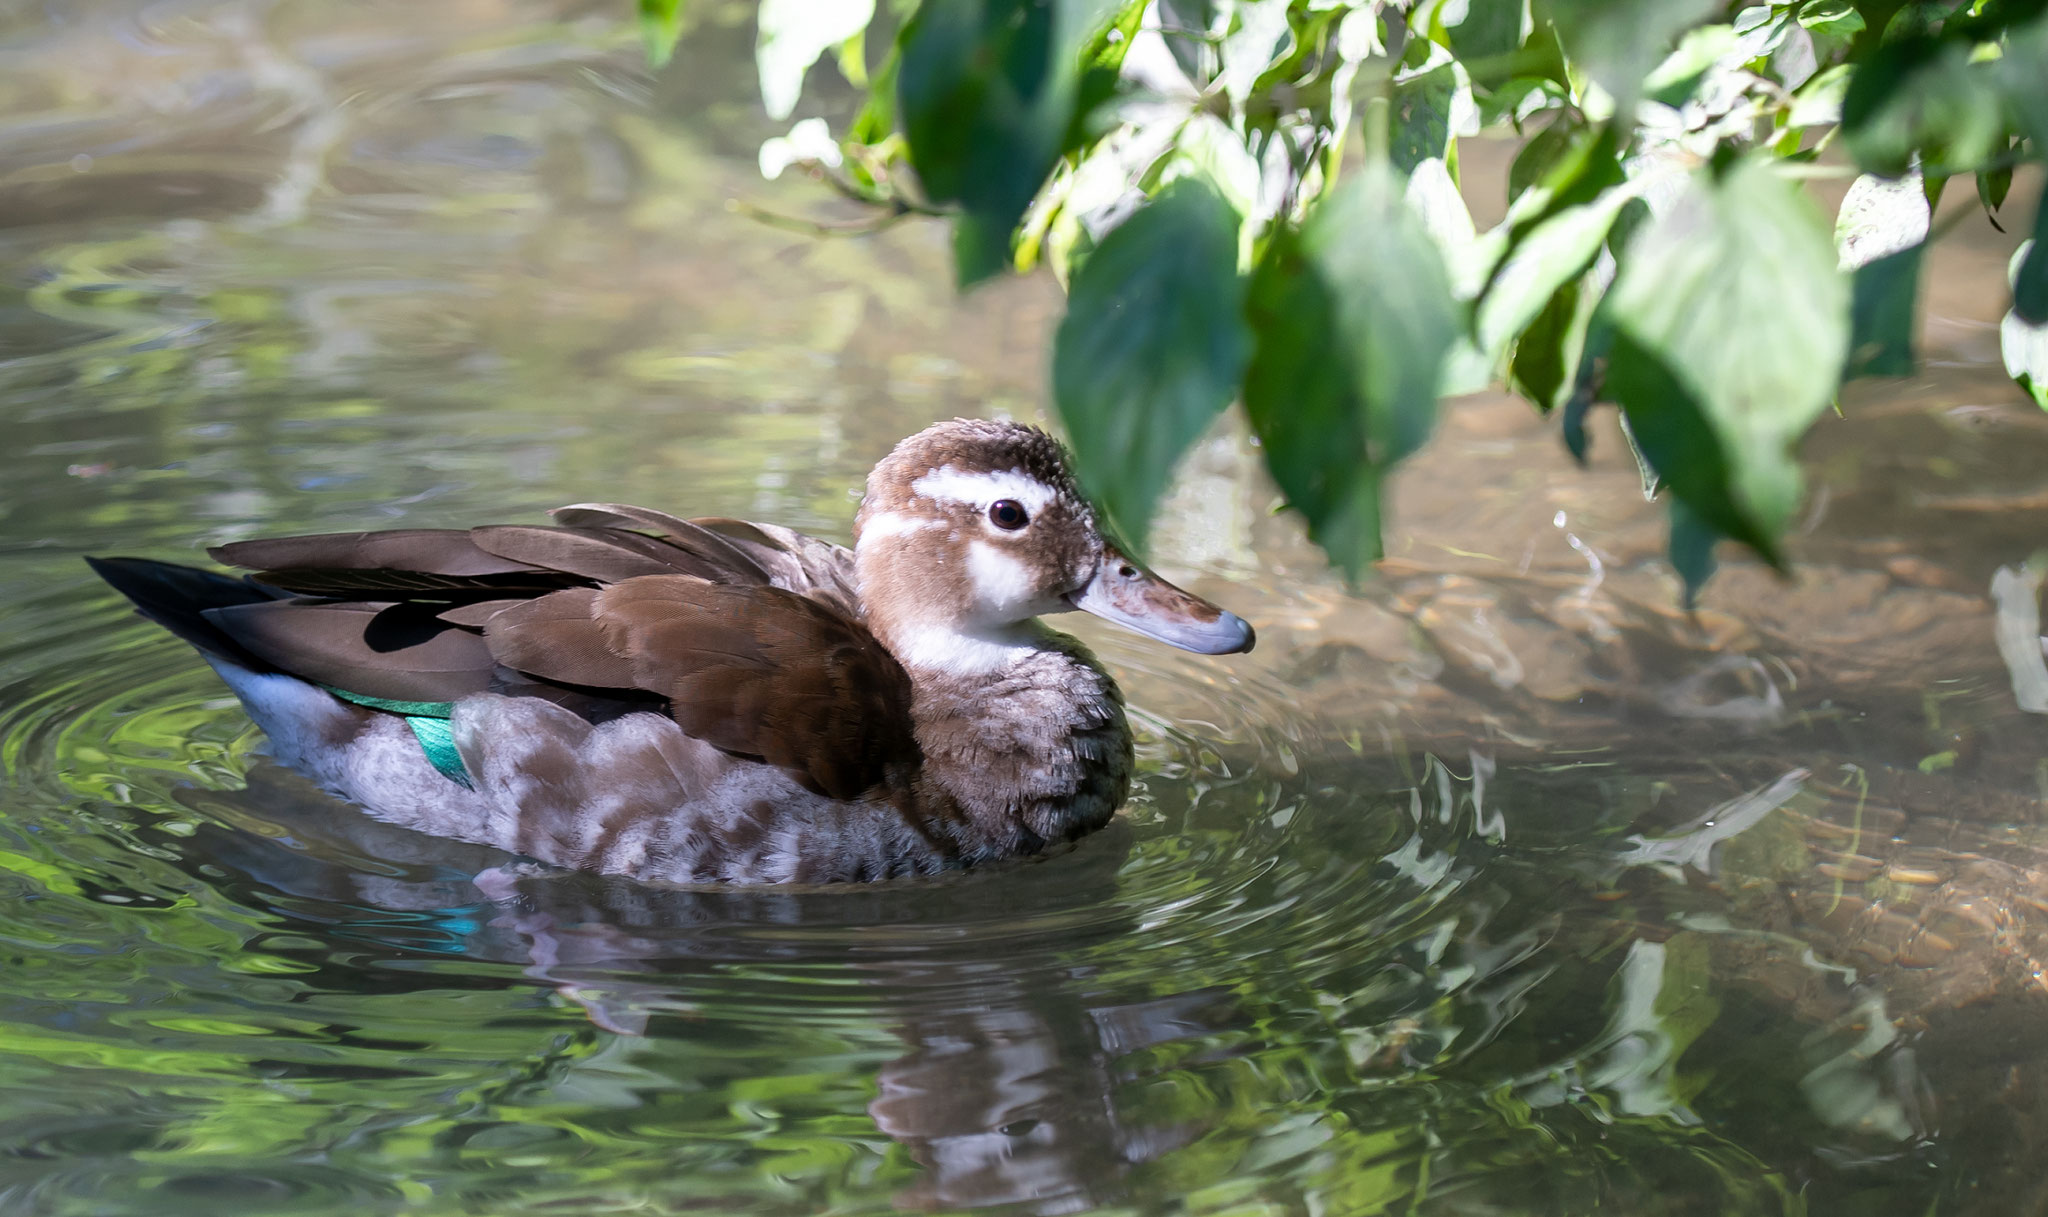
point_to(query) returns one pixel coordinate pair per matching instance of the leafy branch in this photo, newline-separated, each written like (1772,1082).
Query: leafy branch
(1257,202)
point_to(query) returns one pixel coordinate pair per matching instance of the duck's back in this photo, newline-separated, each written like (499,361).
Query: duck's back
(696,702)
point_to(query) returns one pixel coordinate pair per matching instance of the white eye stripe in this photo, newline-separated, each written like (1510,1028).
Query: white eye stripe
(952,485)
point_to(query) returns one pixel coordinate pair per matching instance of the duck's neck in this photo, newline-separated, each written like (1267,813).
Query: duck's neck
(1021,729)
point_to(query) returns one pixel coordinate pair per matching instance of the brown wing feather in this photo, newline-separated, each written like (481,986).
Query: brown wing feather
(558,638)
(757,671)
(792,561)
(377,650)
(723,561)
(602,555)
(443,551)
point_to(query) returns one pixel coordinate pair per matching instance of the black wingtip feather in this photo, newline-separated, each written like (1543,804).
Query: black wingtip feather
(177,597)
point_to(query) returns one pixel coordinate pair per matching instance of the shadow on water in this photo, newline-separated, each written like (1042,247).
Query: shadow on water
(1503,887)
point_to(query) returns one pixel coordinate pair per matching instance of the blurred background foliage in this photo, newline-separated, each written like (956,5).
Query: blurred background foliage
(1258,201)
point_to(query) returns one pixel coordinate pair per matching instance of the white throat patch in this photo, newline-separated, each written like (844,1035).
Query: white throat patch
(967,652)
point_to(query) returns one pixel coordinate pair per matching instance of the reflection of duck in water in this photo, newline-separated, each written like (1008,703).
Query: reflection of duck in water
(709,700)
(1017,1102)
(1014,1079)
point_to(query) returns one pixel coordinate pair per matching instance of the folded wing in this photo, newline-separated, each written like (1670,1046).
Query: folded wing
(750,634)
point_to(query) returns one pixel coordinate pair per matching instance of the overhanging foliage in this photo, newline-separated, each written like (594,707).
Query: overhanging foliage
(1257,201)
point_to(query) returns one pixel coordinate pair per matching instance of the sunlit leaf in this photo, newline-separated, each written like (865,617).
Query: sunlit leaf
(1881,233)
(1479,30)
(1674,81)
(1259,37)
(1153,348)
(661,24)
(1431,107)
(789,37)
(1731,324)
(1835,18)
(1617,42)
(1551,255)
(987,92)
(1352,317)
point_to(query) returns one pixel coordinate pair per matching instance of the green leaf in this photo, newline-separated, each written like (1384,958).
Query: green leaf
(1352,317)
(2025,346)
(661,24)
(1548,350)
(1541,153)
(1881,232)
(1552,254)
(1835,18)
(2030,274)
(1992,187)
(1428,108)
(789,37)
(1925,98)
(1153,348)
(1691,548)
(1730,328)
(1881,295)
(1482,30)
(1617,42)
(987,92)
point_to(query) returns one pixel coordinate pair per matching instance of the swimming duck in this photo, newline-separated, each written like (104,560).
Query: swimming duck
(709,700)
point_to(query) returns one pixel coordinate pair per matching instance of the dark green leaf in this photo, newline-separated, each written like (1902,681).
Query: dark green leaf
(2030,281)
(987,91)
(1691,548)
(1881,294)
(1548,350)
(1352,317)
(1422,106)
(1484,29)
(1617,42)
(1593,350)
(1153,348)
(1634,214)
(1541,153)
(1992,187)
(1922,96)
(661,24)
(1731,325)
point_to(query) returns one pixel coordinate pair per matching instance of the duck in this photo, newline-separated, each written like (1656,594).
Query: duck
(709,700)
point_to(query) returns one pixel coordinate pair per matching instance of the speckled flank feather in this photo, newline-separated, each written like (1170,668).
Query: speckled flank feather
(699,701)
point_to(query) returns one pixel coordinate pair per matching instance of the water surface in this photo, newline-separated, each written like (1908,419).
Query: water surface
(1501,887)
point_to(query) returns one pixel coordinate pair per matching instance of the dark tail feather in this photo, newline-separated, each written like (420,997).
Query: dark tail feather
(176,597)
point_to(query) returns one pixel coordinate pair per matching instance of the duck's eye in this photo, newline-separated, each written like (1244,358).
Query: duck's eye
(1008,515)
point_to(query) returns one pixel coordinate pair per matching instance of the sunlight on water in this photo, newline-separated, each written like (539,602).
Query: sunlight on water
(1504,887)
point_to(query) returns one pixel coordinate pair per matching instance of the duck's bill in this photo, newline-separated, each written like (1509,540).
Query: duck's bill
(1136,599)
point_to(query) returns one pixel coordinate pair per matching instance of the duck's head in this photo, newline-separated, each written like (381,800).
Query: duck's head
(971,528)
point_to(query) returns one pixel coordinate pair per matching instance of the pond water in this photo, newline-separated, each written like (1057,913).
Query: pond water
(1502,887)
